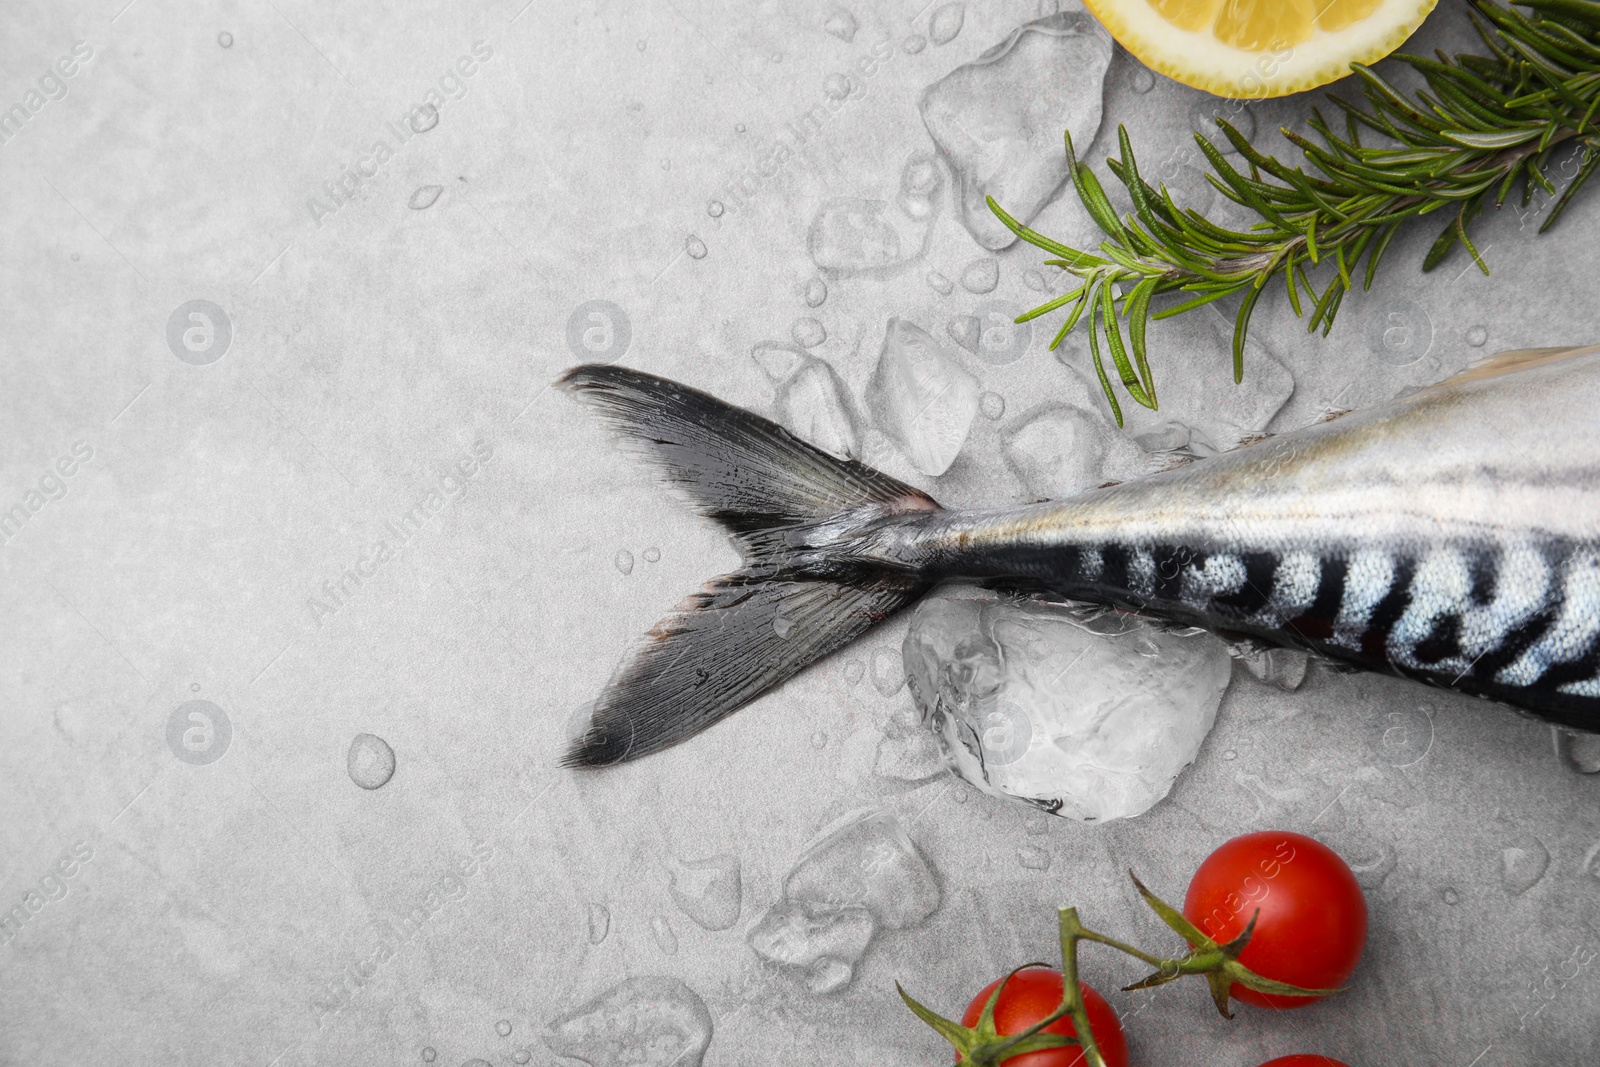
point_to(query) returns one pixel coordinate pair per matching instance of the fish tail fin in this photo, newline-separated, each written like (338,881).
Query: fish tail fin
(810,582)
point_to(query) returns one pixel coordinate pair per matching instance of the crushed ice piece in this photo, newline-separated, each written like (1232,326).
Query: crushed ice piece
(808,332)
(940,284)
(998,119)
(777,359)
(370,761)
(992,406)
(913,44)
(624,561)
(921,397)
(666,937)
(864,860)
(503,1027)
(921,183)
(816,292)
(650,1021)
(1059,450)
(946,22)
(1523,863)
(1033,858)
(908,757)
(1580,751)
(1202,412)
(599,922)
(424,197)
(813,403)
(981,275)
(1283,667)
(695,247)
(652,555)
(824,946)
(709,891)
(842,24)
(1089,714)
(850,235)
(966,331)
(888,671)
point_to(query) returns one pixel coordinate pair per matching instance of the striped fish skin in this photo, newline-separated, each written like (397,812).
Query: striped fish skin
(1452,536)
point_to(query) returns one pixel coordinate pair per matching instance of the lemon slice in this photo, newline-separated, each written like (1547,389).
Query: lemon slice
(1259,48)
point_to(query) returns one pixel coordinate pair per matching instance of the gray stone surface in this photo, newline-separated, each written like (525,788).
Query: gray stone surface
(344,500)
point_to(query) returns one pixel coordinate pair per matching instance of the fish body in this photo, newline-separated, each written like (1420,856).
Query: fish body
(1452,536)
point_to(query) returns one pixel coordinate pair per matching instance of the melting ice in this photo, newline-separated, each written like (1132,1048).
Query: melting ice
(998,119)
(921,397)
(1086,713)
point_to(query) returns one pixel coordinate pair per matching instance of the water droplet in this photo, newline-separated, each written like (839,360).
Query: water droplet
(993,405)
(1235,113)
(370,761)
(1477,336)
(503,1027)
(854,670)
(1143,80)
(424,197)
(695,247)
(652,555)
(194,687)
(842,24)
(424,118)
(782,626)
(946,23)
(819,740)
(522,1055)
(428,1055)
(777,57)
(599,923)
(641,46)
(225,39)
(888,670)
(624,561)
(666,164)
(666,937)
(75,257)
(1034,859)
(966,331)
(837,86)
(940,284)
(714,209)
(1450,896)
(913,44)
(738,127)
(816,292)
(808,332)
(1523,863)
(1230,755)
(1034,280)
(981,275)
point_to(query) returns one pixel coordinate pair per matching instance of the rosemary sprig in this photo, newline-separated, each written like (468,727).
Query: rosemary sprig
(1483,124)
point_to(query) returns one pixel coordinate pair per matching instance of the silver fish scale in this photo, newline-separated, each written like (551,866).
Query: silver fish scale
(1451,536)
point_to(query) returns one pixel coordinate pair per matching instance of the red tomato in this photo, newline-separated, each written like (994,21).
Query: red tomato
(1313,921)
(1033,994)
(1302,1060)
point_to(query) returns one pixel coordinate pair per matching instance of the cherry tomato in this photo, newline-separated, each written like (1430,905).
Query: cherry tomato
(1034,993)
(1302,1060)
(1313,922)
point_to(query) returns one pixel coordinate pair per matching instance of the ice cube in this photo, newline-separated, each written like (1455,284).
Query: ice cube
(850,235)
(998,119)
(864,860)
(1202,411)
(921,397)
(1088,714)
(649,1021)
(825,946)
(708,891)
(813,403)
(1060,450)
(842,24)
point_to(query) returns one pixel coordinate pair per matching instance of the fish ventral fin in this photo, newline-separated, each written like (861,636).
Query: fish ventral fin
(797,515)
